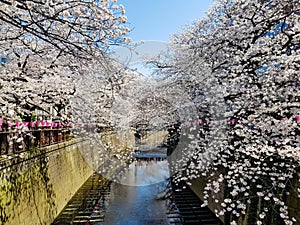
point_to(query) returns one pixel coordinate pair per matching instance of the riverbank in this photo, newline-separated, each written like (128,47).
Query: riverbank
(36,187)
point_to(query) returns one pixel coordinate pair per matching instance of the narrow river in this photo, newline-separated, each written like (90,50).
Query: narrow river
(136,205)
(132,200)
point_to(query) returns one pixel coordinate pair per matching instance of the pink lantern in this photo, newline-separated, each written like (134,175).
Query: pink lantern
(25,124)
(17,124)
(297,118)
(207,121)
(199,122)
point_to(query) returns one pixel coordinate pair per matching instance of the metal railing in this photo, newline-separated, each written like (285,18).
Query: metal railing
(13,142)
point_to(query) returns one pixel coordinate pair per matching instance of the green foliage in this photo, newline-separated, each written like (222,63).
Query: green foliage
(32,150)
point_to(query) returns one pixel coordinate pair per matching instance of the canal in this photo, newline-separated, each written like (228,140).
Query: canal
(136,205)
(139,194)
(132,199)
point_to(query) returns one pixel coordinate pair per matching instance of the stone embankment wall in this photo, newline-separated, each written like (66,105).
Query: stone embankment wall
(155,138)
(36,186)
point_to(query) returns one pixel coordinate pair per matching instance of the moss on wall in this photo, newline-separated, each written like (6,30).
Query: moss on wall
(36,187)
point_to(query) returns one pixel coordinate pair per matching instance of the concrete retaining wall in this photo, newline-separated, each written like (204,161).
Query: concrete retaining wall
(34,188)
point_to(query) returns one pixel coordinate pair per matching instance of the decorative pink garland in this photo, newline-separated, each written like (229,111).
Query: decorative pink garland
(233,121)
(70,124)
(37,124)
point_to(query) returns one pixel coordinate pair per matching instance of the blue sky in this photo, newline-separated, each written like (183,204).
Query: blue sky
(158,19)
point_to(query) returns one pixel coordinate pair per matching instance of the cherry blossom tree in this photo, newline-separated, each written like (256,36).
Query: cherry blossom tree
(80,28)
(98,88)
(246,55)
(49,44)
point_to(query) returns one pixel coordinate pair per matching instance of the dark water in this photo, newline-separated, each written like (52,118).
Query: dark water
(136,205)
(130,201)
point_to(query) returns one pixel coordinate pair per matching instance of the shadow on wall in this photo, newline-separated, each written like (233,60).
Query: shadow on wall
(23,186)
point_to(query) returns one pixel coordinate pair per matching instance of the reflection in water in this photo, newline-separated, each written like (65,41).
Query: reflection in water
(136,205)
(132,201)
(144,172)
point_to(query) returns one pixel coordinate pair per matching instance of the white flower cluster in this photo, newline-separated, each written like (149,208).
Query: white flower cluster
(242,62)
(49,45)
